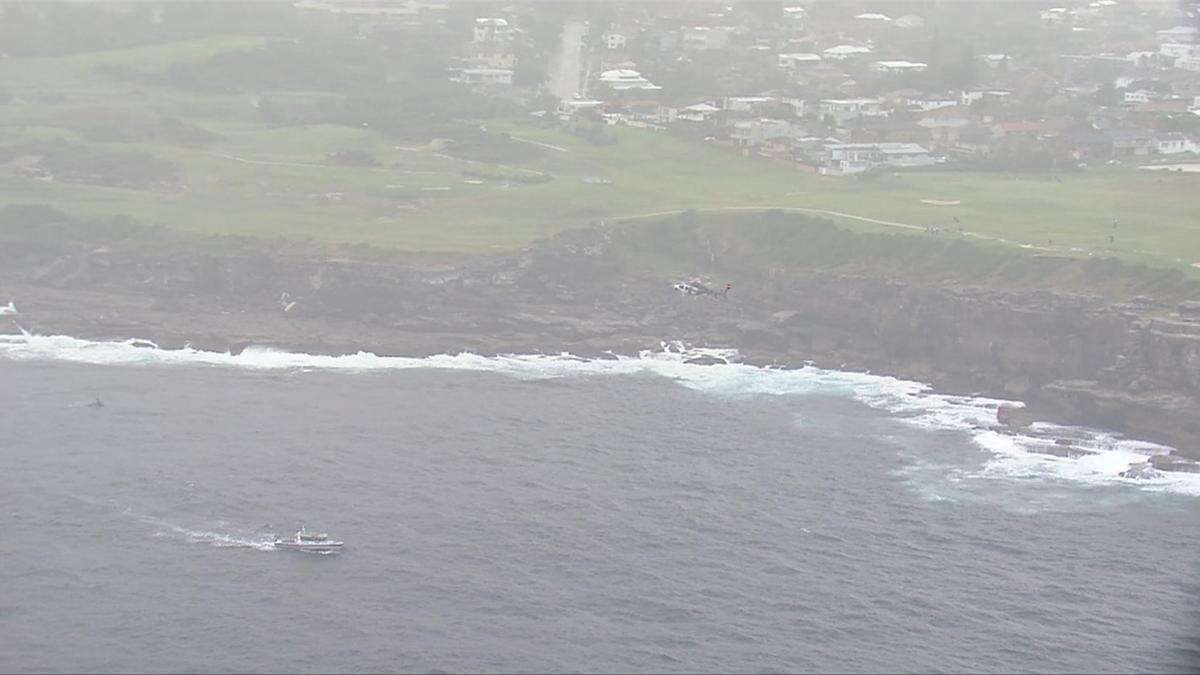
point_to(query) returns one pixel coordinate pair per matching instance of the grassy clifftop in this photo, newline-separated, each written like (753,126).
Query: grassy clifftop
(247,159)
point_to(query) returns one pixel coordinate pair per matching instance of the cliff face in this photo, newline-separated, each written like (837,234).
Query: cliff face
(1070,357)
(1132,366)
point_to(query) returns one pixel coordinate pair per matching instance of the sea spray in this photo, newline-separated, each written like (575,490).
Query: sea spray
(1102,457)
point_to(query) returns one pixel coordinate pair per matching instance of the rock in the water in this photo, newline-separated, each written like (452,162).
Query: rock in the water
(1174,463)
(706,360)
(1140,471)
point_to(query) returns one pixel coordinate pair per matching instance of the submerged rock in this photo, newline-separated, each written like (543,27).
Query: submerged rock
(706,360)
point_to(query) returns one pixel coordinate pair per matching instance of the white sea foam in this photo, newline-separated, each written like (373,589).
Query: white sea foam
(1013,456)
(220,539)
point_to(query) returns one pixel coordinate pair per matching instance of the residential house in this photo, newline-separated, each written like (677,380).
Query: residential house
(846,109)
(492,29)
(698,112)
(977,95)
(614,40)
(1174,143)
(568,108)
(1174,50)
(1189,63)
(624,79)
(750,133)
(843,52)
(795,17)
(945,125)
(995,60)
(898,67)
(849,158)
(794,61)
(483,76)
(1139,96)
(749,104)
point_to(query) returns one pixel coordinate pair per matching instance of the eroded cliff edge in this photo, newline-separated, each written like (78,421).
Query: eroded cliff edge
(1079,341)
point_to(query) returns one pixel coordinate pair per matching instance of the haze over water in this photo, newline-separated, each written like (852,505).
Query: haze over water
(558,515)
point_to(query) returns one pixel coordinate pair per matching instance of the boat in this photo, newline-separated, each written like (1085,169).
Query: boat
(303,540)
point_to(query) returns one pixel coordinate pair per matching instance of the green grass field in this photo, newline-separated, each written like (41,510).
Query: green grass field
(268,181)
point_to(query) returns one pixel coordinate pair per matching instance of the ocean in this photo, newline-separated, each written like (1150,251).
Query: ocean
(550,513)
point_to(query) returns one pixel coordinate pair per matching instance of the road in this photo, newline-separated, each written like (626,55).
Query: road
(565,79)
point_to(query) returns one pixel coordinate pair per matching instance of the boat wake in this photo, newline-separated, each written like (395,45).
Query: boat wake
(1039,453)
(218,539)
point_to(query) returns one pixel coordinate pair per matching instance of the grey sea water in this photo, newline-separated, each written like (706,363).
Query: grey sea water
(598,522)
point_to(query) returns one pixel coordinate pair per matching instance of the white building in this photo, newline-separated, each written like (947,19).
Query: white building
(1173,144)
(570,107)
(843,109)
(795,16)
(745,133)
(624,79)
(842,52)
(614,41)
(1190,63)
(1139,96)
(995,60)
(484,76)
(898,66)
(849,158)
(698,112)
(1174,50)
(492,29)
(794,61)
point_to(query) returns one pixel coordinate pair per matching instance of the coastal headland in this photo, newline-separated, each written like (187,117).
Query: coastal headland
(1113,345)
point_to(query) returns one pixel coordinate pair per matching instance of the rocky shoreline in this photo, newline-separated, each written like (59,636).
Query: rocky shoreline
(1133,367)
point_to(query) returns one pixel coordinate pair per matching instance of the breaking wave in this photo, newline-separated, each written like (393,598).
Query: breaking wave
(1095,457)
(10,308)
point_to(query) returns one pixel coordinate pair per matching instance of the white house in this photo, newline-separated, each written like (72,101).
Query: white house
(995,60)
(842,52)
(1173,144)
(794,61)
(698,112)
(849,158)
(842,109)
(1054,14)
(569,107)
(1139,96)
(492,29)
(485,76)
(1174,50)
(614,41)
(976,95)
(747,103)
(795,16)
(624,79)
(746,133)
(898,66)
